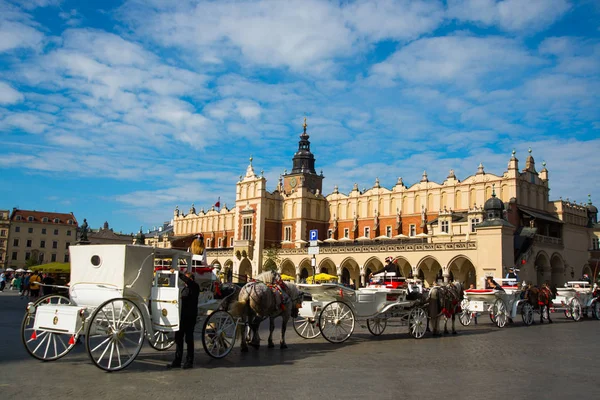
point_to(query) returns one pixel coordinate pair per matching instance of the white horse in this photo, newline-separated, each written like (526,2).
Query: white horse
(267,297)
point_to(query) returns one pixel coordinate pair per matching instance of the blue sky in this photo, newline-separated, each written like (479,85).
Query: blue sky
(119,111)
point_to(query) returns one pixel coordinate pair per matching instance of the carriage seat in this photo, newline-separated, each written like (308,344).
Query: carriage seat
(93,294)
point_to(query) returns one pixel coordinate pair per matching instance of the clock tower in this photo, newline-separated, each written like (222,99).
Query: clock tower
(303,172)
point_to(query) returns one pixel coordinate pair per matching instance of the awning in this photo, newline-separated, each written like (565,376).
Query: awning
(540,215)
(54,267)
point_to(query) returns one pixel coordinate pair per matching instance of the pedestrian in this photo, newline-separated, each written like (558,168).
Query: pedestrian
(34,286)
(2,281)
(26,290)
(512,275)
(19,283)
(187,322)
(47,280)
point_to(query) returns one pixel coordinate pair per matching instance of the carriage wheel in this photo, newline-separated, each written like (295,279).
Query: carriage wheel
(162,340)
(527,314)
(465,317)
(500,314)
(575,306)
(218,334)
(376,325)
(596,309)
(44,345)
(306,327)
(336,322)
(417,323)
(115,334)
(492,316)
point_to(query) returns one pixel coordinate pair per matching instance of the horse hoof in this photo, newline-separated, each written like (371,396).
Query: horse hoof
(254,345)
(446,332)
(271,345)
(550,321)
(283,346)
(454,333)
(244,349)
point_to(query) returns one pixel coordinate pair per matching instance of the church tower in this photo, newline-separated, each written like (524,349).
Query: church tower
(303,172)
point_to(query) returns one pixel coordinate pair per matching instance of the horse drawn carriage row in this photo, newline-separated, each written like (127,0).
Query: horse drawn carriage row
(575,299)
(117,299)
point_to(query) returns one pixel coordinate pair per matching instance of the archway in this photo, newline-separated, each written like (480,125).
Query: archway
(288,268)
(345,276)
(327,266)
(431,269)
(404,266)
(228,271)
(588,270)
(303,274)
(245,271)
(462,270)
(353,271)
(269,266)
(557,267)
(542,268)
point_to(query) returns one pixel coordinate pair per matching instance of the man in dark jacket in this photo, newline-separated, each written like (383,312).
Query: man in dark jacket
(189,312)
(391,266)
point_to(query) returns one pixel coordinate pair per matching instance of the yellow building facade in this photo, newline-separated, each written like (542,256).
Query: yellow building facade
(456,229)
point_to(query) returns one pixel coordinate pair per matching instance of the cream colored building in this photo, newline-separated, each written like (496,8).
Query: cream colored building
(457,229)
(45,236)
(4,230)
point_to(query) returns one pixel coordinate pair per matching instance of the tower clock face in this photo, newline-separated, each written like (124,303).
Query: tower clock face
(293,182)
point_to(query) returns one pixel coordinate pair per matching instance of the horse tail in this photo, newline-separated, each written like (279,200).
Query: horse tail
(237,308)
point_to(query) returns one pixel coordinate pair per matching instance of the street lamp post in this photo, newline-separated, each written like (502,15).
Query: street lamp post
(313,264)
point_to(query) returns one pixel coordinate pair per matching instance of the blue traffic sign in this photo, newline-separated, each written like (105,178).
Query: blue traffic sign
(313,234)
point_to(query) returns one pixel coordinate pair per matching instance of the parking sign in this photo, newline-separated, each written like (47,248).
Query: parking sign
(313,234)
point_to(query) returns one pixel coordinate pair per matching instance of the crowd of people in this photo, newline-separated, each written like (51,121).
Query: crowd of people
(31,285)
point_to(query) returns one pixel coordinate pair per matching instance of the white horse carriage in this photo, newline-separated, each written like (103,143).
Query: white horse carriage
(115,301)
(576,299)
(499,304)
(334,309)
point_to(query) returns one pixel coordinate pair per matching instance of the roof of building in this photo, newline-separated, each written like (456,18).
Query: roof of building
(39,217)
(539,214)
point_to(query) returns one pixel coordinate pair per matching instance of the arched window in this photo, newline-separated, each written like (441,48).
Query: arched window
(45,219)
(30,219)
(56,220)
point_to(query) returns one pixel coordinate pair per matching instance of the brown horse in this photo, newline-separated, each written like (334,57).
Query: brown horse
(260,300)
(444,301)
(541,300)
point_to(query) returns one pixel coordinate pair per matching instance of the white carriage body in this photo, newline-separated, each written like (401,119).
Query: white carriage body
(59,318)
(482,300)
(103,272)
(581,290)
(365,302)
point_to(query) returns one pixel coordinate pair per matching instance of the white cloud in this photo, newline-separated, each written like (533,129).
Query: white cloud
(510,15)
(455,59)
(14,35)
(393,19)
(9,95)
(35,123)
(304,35)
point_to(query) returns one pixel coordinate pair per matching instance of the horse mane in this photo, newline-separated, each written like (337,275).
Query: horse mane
(267,276)
(197,247)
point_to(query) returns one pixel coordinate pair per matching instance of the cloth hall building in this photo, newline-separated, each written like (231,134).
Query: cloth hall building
(459,230)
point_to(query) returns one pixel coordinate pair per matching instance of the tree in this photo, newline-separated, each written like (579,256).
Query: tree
(272,259)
